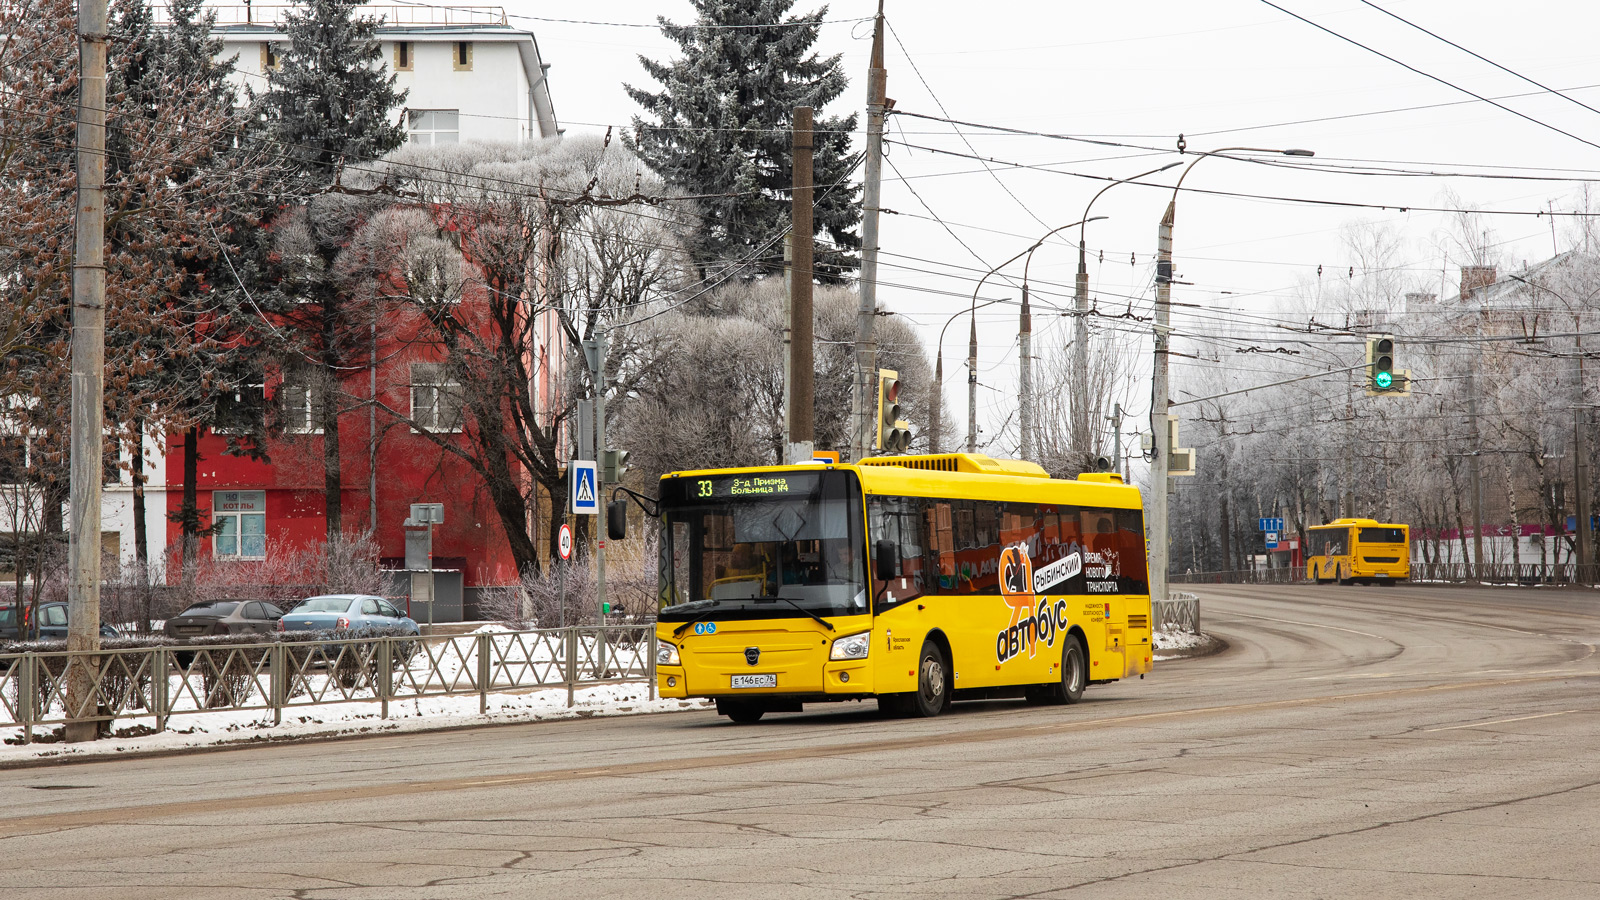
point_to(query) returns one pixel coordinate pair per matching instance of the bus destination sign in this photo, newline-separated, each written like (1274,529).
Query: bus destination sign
(752,486)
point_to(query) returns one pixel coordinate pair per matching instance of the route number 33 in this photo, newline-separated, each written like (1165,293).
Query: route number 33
(705,488)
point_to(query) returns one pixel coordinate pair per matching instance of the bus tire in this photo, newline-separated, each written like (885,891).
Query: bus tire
(933,682)
(1073,678)
(1342,575)
(742,713)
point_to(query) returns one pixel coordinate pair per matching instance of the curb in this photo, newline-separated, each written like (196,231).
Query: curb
(1211,647)
(354,733)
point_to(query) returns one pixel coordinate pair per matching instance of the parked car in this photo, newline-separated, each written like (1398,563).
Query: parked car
(224,617)
(351,614)
(51,626)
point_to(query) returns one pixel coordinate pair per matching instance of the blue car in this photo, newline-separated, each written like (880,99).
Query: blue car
(355,615)
(51,625)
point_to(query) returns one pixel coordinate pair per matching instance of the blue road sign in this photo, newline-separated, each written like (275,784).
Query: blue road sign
(1272,540)
(1273,524)
(583,490)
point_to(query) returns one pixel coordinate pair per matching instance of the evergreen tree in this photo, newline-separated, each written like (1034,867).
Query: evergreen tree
(331,100)
(330,103)
(722,127)
(174,103)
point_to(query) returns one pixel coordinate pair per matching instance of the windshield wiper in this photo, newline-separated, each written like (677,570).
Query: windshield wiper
(825,623)
(701,617)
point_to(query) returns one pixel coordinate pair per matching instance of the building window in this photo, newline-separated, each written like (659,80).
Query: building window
(269,57)
(403,56)
(241,522)
(241,411)
(462,56)
(435,398)
(431,127)
(300,401)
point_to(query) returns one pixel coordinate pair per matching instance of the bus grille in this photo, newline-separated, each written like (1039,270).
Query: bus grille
(1380,559)
(1138,621)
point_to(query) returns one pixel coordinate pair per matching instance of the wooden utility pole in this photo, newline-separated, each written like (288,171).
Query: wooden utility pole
(88,371)
(871,193)
(801,409)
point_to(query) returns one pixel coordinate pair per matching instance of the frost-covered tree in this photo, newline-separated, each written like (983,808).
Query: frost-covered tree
(716,399)
(719,129)
(501,284)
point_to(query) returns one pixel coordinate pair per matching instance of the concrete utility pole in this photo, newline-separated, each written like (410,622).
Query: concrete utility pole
(972,388)
(871,195)
(1025,378)
(1160,433)
(88,370)
(802,371)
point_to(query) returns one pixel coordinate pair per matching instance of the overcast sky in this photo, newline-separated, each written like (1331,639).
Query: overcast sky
(1223,73)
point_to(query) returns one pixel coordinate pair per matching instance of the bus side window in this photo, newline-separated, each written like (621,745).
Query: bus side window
(900,520)
(939,517)
(1130,552)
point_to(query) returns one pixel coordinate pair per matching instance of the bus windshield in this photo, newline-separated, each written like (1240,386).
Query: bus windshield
(769,545)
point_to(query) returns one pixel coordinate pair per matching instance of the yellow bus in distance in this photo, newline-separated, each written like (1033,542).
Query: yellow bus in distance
(912,580)
(1352,551)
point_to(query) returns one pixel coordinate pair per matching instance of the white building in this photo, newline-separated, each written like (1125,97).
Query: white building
(469,74)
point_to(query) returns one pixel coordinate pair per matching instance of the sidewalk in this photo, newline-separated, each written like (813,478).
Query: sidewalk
(213,730)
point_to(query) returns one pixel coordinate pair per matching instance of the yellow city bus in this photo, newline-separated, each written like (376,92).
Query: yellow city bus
(915,580)
(1353,551)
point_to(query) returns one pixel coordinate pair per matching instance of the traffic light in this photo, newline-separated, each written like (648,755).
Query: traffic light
(613,465)
(1382,376)
(894,433)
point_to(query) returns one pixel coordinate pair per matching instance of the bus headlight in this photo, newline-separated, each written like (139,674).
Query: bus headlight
(666,654)
(851,646)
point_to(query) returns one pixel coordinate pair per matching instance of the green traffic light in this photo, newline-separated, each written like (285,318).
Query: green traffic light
(1383,379)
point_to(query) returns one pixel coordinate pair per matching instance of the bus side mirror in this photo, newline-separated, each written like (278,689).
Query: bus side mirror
(617,519)
(886,560)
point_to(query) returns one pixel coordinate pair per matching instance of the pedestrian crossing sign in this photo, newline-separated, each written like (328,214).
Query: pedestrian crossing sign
(582,488)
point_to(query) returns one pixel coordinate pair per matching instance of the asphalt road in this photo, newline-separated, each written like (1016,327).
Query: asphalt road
(1352,742)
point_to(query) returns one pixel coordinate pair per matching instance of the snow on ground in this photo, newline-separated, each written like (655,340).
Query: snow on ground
(212,729)
(1175,642)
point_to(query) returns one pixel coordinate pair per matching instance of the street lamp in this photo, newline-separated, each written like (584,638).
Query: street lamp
(972,357)
(1158,401)
(1080,339)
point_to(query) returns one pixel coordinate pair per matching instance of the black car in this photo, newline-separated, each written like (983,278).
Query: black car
(51,624)
(224,617)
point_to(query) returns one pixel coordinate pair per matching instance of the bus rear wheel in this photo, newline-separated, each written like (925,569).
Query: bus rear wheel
(1070,688)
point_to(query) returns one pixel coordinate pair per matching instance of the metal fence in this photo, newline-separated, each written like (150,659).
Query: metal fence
(151,685)
(1508,573)
(1179,612)
(1242,576)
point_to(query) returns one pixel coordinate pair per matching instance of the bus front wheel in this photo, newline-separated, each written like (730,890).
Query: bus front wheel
(933,682)
(742,713)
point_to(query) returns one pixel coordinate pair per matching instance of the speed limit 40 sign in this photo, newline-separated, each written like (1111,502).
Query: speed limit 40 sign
(564,541)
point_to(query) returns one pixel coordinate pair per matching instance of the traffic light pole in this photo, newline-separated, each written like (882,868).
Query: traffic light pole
(599,491)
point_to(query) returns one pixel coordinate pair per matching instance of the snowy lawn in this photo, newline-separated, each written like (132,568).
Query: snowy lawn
(213,729)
